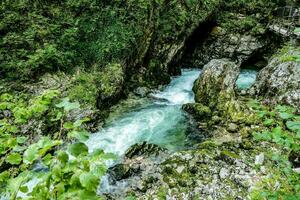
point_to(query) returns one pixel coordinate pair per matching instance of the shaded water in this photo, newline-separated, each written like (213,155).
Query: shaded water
(246,78)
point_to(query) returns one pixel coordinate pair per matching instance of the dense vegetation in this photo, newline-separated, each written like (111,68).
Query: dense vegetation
(100,49)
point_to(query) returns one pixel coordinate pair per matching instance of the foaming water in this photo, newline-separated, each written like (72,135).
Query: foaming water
(161,122)
(246,78)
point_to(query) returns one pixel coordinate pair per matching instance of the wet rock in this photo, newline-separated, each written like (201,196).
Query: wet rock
(143,149)
(120,171)
(279,82)
(142,91)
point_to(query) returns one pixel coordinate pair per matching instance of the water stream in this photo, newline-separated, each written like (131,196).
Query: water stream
(161,121)
(157,120)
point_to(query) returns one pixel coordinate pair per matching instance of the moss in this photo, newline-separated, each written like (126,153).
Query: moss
(198,110)
(162,193)
(84,88)
(226,153)
(207,145)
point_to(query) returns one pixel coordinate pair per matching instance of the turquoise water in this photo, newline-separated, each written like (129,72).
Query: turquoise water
(246,78)
(160,122)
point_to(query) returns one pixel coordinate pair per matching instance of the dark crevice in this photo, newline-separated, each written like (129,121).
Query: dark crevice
(199,35)
(259,59)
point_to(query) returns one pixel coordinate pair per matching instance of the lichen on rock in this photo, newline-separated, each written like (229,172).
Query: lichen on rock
(279,81)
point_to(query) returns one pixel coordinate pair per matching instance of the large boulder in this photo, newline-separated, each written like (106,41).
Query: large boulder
(215,94)
(279,82)
(216,84)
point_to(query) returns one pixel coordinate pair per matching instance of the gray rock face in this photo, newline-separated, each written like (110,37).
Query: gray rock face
(279,82)
(216,83)
(224,44)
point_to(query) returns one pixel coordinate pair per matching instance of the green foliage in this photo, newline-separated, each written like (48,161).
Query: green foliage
(84,88)
(71,171)
(289,53)
(280,126)
(39,149)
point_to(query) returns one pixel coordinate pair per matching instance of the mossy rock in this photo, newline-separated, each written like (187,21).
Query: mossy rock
(228,156)
(110,85)
(198,110)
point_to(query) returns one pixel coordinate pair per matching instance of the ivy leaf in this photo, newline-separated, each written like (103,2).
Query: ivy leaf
(4,176)
(89,181)
(78,149)
(88,195)
(100,170)
(58,117)
(15,184)
(67,105)
(79,122)
(24,189)
(14,158)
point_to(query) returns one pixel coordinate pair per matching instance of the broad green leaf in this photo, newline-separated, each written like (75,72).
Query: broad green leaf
(90,195)
(81,136)
(268,122)
(293,126)
(277,134)
(79,122)
(67,105)
(58,116)
(68,125)
(24,189)
(22,139)
(47,160)
(297,30)
(285,115)
(100,170)
(4,176)
(14,158)
(78,149)
(63,157)
(31,154)
(89,181)
(15,183)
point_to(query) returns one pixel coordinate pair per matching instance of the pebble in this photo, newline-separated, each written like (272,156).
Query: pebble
(259,159)
(223,173)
